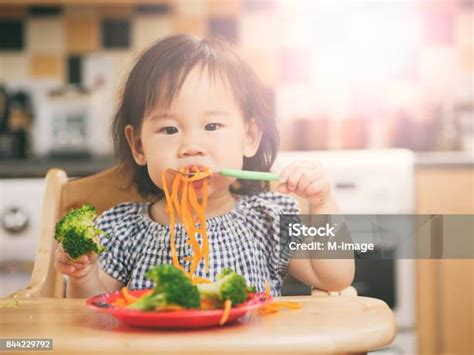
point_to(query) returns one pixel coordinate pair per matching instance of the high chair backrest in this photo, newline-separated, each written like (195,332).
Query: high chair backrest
(102,190)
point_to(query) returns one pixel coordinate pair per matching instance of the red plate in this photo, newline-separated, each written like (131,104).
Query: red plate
(178,319)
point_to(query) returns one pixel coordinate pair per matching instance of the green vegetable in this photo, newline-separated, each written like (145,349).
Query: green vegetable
(228,286)
(251,289)
(77,233)
(172,287)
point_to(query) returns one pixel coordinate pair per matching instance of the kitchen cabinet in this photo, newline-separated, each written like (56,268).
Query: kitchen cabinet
(445,296)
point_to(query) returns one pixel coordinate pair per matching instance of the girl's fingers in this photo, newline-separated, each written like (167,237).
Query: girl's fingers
(285,173)
(64,268)
(318,186)
(294,179)
(65,258)
(91,258)
(73,268)
(282,188)
(84,259)
(307,179)
(62,256)
(76,266)
(77,270)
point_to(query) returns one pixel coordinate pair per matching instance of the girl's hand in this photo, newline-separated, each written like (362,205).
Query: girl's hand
(309,180)
(78,268)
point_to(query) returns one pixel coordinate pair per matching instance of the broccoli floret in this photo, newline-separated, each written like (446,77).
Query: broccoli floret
(228,286)
(225,271)
(251,289)
(172,287)
(77,233)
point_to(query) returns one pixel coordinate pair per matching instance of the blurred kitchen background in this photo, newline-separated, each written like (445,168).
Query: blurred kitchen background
(341,74)
(381,91)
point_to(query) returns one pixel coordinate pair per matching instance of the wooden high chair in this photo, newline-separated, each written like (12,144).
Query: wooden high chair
(103,191)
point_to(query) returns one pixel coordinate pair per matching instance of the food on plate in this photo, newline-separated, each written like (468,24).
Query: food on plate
(173,289)
(175,300)
(229,289)
(228,286)
(77,233)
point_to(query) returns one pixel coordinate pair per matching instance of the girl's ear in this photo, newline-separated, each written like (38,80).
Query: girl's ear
(135,144)
(253,136)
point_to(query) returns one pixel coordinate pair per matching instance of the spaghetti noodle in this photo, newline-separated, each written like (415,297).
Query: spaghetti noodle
(183,202)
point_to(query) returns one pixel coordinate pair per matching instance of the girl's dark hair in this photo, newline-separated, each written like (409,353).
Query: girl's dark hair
(157,78)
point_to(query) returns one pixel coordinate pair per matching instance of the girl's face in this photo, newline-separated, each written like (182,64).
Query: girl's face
(203,126)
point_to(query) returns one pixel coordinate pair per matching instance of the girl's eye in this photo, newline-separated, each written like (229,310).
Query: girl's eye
(212,126)
(168,130)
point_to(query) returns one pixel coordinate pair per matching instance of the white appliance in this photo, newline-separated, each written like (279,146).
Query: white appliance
(62,123)
(375,182)
(71,123)
(20,221)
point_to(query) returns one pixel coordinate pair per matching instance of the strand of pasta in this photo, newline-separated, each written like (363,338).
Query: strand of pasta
(202,221)
(174,193)
(202,217)
(191,231)
(170,211)
(205,243)
(188,220)
(275,306)
(200,214)
(189,211)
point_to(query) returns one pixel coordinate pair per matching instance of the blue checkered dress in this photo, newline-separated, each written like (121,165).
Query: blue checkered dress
(245,239)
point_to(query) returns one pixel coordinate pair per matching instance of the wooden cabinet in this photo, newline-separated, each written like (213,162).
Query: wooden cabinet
(445,296)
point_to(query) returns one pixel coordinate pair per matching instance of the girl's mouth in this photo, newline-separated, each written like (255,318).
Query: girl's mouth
(194,169)
(196,174)
(198,184)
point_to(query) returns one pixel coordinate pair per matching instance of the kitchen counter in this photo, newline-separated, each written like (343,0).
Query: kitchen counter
(444,159)
(29,168)
(329,324)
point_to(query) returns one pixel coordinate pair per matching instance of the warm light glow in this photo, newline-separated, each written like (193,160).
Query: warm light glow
(363,44)
(356,46)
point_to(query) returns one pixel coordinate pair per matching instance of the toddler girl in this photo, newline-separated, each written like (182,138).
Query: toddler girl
(188,103)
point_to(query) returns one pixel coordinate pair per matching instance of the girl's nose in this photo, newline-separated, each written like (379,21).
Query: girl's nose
(190,150)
